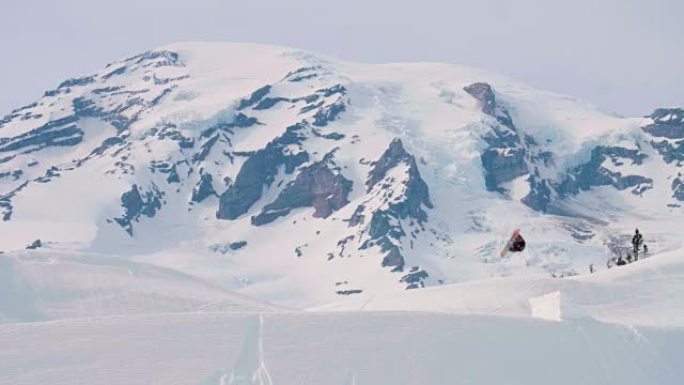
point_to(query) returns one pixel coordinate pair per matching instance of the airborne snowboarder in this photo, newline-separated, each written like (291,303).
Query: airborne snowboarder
(515,244)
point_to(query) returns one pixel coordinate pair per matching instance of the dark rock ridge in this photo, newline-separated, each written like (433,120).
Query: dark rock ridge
(510,155)
(667,123)
(6,208)
(416,193)
(254,98)
(261,167)
(239,121)
(59,132)
(136,204)
(237,245)
(349,292)
(667,131)
(328,114)
(35,245)
(505,157)
(678,188)
(593,174)
(415,279)
(301,74)
(204,188)
(542,192)
(316,186)
(259,171)
(402,200)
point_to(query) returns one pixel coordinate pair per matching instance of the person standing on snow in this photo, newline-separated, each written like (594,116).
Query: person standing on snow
(637,241)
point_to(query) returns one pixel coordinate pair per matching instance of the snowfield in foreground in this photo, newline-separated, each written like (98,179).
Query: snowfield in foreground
(214,213)
(336,348)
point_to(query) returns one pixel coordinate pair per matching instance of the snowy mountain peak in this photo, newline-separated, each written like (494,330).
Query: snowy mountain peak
(284,174)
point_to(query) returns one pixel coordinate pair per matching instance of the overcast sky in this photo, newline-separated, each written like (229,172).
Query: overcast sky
(626,56)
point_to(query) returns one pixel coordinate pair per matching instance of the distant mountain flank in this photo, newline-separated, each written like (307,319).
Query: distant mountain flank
(281,173)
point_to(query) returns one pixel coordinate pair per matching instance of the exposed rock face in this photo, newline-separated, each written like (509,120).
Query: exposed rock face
(255,97)
(399,194)
(204,188)
(678,188)
(505,158)
(667,131)
(542,192)
(136,204)
(173,175)
(59,132)
(416,190)
(593,174)
(5,209)
(503,164)
(484,93)
(667,123)
(35,245)
(415,278)
(316,186)
(259,170)
(325,115)
(237,245)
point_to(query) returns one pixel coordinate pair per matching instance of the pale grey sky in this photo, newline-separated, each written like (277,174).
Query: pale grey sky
(625,56)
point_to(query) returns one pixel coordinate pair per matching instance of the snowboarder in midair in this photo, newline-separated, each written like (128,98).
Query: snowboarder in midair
(637,241)
(518,244)
(515,244)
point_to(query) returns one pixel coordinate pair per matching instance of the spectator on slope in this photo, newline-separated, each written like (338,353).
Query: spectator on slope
(637,241)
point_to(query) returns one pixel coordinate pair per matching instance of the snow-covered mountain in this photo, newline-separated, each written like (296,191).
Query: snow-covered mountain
(257,172)
(166,219)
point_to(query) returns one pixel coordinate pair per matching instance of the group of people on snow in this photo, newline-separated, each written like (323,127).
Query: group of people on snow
(637,245)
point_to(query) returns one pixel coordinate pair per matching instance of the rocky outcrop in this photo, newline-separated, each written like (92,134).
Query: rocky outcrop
(316,186)
(5,209)
(254,98)
(415,278)
(35,245)
(58,132)
(678,188)
(237,245)
(542,192)
(505,157)
(400,196)
(328,114)
(204,188)
(667,131)
(594,174)
(484,93)
(136,204)
(416,192)
(260,170)
(502,164)
(667,123)
(303,73)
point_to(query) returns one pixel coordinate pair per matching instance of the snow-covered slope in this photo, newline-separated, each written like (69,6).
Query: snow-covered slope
(332,349)
(301,181)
